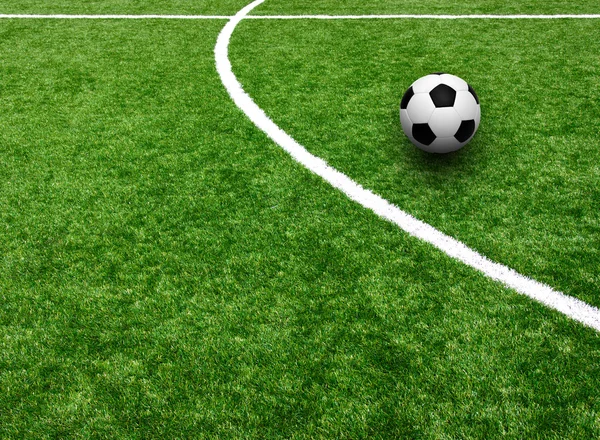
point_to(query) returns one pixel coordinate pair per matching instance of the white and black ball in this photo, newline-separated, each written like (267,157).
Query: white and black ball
(440,113)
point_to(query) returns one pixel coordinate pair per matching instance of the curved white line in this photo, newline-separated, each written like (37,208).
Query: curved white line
(572,307)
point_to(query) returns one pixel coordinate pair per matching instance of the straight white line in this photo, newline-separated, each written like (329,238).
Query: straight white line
(292,17)
(572,307)
(418,16)
(119,17)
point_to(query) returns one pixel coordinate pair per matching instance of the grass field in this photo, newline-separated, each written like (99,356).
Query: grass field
(167,271)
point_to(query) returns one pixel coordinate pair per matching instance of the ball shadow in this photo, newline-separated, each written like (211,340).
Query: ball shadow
(437,168)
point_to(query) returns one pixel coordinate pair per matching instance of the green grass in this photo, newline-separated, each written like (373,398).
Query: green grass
(167,271)
(524,192)
(427,7)
(175,7)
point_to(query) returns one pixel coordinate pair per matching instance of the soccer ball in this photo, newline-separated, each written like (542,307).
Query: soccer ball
(440,113)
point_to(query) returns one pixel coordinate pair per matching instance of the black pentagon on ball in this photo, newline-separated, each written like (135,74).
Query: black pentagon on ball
(473,93)
(438,73)
(409,94)
(443,96)
(423,134)
(465,131)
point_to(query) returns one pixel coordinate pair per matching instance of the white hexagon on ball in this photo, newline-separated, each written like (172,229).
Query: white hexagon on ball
(444,145)
(426,83)
(465,105)
(440,113)
(420,108)
(454,81)
(405,121)
(444,122)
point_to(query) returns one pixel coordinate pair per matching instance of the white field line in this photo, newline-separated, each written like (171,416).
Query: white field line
(427,16)
(292,17)
(119,17)
(572,307)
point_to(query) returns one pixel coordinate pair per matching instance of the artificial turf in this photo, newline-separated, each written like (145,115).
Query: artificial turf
(329,7)
(524,193)
(169,272)
(125,7)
